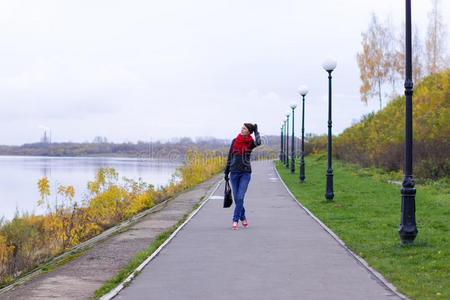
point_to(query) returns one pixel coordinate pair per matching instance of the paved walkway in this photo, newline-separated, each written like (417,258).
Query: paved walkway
(283,254)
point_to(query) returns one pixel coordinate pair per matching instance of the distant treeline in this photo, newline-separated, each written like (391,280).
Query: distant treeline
(175,149)
(378,139)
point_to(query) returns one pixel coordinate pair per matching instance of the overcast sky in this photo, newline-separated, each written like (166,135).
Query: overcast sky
(142,70)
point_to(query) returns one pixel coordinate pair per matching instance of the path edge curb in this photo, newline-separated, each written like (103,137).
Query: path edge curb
(114,292)
(377,276)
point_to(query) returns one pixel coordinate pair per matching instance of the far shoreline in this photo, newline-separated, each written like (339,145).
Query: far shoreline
(105,155)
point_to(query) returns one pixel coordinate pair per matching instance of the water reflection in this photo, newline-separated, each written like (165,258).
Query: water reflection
(19,176)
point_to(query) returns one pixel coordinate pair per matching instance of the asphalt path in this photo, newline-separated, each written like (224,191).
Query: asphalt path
(283,254)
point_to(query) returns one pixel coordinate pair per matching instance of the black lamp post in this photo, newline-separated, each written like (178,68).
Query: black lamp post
(281,143)
(408,230)
(329,65)
(303,91)
(293,106)
(284,142)
(287,139)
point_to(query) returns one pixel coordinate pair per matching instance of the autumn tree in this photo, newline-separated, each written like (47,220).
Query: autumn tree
(417,54)
(436,41)
(376,59)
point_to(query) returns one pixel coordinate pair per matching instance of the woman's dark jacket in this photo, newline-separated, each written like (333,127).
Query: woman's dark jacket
(241,163)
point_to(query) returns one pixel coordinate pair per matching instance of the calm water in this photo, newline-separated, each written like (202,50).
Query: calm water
(19,176)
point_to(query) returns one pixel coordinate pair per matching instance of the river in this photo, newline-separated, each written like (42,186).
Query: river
(19,176)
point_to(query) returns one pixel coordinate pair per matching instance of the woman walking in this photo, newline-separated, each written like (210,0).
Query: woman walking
(239,168)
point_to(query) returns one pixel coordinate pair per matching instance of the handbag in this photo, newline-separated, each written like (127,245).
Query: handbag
(228,198)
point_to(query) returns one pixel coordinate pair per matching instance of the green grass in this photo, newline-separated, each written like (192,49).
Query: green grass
(365,214)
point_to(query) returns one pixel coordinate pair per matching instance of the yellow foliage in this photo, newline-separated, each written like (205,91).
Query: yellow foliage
(5,250)
(375,61)
(378,139)
(44,189)
(68,192)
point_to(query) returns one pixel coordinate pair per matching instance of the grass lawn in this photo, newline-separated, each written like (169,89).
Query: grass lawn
(365,214)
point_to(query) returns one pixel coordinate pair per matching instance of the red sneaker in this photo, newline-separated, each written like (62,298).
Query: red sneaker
(245,223)
(235,226)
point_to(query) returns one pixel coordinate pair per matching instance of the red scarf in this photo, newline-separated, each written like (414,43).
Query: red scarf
(241,145)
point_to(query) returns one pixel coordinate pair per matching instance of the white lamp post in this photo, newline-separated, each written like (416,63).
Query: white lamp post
(287,113)
(303,90)
(329,65)
(293,106)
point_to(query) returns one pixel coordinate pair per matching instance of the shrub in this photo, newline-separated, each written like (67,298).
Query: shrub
(378,139)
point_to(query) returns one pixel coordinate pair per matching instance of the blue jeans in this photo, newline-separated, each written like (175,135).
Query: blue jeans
(239,184)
